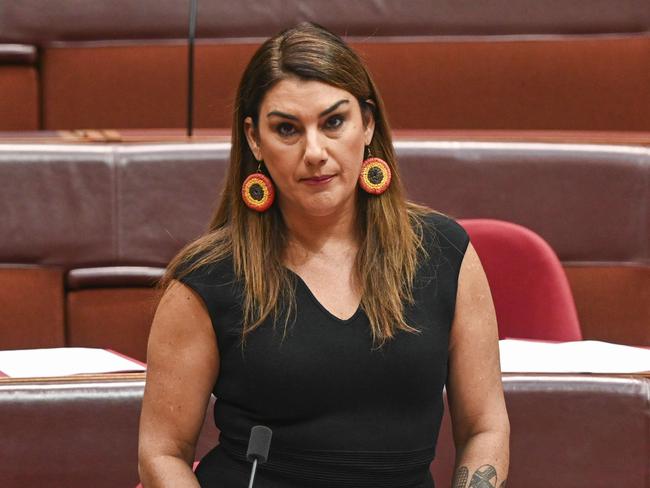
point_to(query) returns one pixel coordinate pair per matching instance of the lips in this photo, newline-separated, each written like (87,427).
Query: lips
(318,178)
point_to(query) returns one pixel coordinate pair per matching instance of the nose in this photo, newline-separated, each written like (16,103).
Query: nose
(315,150)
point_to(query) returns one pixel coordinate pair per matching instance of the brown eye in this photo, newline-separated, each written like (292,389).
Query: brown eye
(285,129)
(334,122)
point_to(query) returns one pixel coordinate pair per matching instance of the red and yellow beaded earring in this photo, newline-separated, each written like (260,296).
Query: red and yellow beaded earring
(258,191)
(375,175)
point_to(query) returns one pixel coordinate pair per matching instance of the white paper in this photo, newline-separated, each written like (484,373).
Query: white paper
(520,356)
(63,361)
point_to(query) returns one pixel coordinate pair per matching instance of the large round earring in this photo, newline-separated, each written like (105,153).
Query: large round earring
(375,175)
(258,191)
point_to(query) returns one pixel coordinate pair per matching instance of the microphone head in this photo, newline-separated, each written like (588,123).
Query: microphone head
(259,444)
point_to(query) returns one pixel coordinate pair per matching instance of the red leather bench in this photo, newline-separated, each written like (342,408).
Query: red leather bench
(440,65)
(568,431)
(78,262)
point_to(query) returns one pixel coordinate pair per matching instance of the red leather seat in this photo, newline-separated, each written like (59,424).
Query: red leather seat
(531,293)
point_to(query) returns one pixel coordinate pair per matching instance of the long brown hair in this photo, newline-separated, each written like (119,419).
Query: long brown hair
(389,226)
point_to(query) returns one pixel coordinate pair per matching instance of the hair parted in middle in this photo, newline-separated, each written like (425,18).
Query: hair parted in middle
(390,227)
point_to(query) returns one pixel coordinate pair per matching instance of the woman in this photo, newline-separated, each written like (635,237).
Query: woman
(320,303)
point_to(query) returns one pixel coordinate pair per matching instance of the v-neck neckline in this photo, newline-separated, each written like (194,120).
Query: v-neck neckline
(322,308)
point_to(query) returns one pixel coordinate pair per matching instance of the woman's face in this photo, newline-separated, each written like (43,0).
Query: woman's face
(311,137)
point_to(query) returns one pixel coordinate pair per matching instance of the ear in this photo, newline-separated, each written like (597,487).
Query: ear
(252,138)
(368,114)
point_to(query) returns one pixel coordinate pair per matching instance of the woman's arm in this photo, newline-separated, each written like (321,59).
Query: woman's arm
(182,368)
(474,390)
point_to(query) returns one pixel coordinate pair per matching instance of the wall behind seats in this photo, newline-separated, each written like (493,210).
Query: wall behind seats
(139,86)
(19,88)
(441,65)
(555,82)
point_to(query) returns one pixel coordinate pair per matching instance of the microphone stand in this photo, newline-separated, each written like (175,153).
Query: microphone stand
(190,68)
(250,485)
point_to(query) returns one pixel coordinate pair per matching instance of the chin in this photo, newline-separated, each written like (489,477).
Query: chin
(322,207)
(321,210)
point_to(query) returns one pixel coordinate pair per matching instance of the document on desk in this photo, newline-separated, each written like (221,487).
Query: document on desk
(522,356)
(64,361)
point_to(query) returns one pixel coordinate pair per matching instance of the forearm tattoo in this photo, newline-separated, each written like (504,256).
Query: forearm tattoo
(483,477)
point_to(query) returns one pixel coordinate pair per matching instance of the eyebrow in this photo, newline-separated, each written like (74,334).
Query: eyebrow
(324,112)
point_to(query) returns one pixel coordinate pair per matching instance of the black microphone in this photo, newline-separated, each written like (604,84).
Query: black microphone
(190,68)
(258,448)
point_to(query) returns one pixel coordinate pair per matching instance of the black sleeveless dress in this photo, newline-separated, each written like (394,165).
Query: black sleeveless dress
(343,415)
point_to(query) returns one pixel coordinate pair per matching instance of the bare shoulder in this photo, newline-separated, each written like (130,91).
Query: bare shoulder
(475,312)
(474,386)
(182,327)
(182,309)
(182,369)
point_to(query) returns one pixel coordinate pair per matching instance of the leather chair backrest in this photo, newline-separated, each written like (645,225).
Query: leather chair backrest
(498,65)
(531,294)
